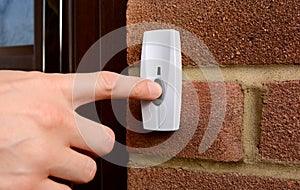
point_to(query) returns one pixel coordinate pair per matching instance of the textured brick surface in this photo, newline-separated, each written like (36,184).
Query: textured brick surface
(227,146)
(236,32)
(280,139)
(158,178)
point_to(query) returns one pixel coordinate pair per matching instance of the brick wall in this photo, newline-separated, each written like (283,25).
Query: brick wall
(257,45)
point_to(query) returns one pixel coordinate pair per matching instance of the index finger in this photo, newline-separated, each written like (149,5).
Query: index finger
(88,87)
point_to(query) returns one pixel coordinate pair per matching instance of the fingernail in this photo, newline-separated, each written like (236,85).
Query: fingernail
(154,89)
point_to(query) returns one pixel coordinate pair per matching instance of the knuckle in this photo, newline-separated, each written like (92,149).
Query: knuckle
(46,114)
(38,78)
(37,73)
(107,81)
(140,89)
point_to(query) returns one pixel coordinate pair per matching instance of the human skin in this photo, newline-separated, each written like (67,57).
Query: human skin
(39,133)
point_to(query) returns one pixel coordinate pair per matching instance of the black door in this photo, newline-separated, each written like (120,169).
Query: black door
(63,31)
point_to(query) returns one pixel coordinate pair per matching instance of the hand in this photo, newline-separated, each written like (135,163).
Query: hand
(39,129)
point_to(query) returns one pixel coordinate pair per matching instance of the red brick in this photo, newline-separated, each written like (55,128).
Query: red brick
(236,32)
(280,136)
(166,178)
(227,146)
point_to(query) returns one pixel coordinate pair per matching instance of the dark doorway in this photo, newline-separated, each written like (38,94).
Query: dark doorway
(63,31)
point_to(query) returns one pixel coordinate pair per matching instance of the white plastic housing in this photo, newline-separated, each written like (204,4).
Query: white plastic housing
(161,62)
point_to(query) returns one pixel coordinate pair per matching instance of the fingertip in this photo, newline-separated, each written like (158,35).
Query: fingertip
(154,89)
(111,136)
(110,132)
